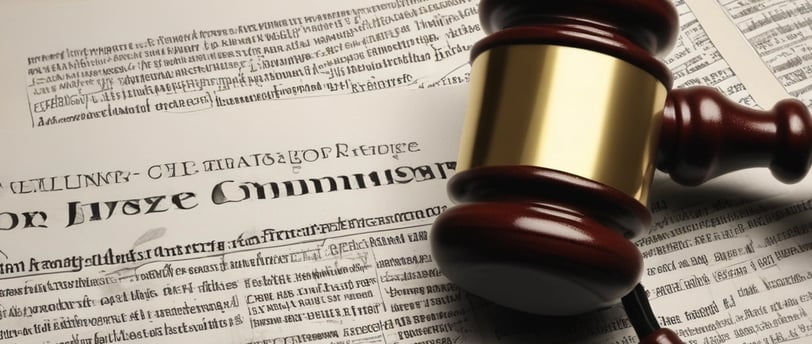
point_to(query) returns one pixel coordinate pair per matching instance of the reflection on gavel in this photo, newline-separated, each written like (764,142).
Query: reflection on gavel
(569,113)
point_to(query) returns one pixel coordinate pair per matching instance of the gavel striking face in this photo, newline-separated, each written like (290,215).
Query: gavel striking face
(570,112)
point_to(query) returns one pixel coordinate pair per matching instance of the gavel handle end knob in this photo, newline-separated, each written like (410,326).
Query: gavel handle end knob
(662,336)
(705,135)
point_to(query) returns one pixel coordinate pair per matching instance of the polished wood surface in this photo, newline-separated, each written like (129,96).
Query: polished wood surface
(705,135)
(632,30)
(662,336)
(650,24)
(536,184)
(539,240)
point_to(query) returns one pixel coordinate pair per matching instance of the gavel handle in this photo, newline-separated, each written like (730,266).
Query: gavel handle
(662,336)
(643,320)
(705,135)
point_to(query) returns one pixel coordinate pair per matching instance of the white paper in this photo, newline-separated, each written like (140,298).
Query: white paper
(295,265)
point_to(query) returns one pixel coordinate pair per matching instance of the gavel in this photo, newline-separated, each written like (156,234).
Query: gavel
(570,113)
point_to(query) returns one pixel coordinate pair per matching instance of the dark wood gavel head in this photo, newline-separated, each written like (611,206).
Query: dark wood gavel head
(569,114)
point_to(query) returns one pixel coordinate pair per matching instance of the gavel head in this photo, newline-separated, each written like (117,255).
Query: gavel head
(557,153)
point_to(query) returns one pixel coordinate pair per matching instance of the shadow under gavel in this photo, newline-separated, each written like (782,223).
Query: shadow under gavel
(569,114)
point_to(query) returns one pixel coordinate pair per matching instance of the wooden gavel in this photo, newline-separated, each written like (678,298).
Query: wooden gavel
(569,114)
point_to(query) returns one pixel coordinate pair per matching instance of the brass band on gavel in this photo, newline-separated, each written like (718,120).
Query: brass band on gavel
(567,109)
